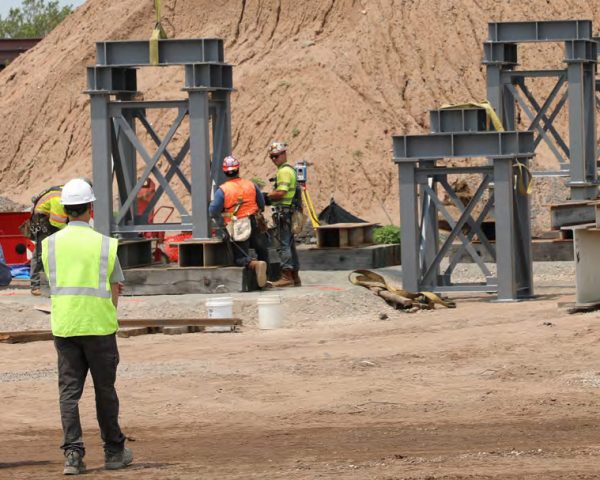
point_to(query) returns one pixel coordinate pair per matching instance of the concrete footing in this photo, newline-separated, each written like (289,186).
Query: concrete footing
(176,280)
(542,251)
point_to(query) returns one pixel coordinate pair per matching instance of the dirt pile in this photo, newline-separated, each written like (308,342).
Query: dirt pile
(335,78)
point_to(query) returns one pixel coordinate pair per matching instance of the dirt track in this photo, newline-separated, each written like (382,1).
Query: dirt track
(483,391)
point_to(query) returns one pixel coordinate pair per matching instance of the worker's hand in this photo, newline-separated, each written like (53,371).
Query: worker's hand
(120,288)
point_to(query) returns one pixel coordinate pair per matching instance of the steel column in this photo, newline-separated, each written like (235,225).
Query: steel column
(582,130)
(409,244)
(506,244)
(200,154)
(102,162)
(221,133)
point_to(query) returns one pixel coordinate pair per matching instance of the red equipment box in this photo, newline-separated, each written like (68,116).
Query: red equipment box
(17,248)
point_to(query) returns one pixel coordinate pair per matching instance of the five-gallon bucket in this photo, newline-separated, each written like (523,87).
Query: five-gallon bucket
(220,307)
(270,315)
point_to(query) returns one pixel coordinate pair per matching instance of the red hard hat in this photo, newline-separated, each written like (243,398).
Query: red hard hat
(231,164)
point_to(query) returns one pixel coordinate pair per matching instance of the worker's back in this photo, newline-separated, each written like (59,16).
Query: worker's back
(78,262)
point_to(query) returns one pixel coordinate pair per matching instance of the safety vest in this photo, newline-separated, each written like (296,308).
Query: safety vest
(286,178)
(49,204)
(239,190)
(78,262)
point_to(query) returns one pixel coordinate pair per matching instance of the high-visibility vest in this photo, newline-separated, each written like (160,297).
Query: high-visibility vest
(242,192)
(49,204)
(286,179)
(78,262)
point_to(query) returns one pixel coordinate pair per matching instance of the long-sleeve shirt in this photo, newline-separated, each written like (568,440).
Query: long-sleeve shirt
(218,203)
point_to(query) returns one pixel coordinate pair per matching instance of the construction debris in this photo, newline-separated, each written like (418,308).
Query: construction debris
(396,297)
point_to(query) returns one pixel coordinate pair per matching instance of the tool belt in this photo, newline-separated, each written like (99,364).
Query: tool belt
(39,225)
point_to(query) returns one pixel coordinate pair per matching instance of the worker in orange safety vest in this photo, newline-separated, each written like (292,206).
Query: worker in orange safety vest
(239,201)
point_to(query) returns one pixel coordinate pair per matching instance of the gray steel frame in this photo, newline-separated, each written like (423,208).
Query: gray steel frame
(112,86)
(421,181)
(507,87)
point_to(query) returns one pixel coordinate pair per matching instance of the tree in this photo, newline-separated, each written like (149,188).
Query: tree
(35,19)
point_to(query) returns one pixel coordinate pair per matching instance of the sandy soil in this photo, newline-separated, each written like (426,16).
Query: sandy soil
(335,78)
(488,390)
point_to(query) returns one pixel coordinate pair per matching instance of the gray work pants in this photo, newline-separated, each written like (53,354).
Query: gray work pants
(99,355)
(287,243)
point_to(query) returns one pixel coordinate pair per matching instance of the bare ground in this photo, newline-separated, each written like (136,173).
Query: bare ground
(488,390)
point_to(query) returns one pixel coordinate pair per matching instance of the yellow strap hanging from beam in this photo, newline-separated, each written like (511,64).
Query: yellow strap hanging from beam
(157,34)
(489,110)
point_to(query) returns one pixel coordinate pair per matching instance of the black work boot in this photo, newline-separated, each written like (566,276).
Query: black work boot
(73,463)
(115,461)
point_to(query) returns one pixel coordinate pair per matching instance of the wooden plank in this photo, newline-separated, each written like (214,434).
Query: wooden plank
(132,332)
(180,322)
(25,337)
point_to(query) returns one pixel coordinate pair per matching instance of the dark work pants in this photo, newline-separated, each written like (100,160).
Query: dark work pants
(99,355)
(36,260)
(257,241)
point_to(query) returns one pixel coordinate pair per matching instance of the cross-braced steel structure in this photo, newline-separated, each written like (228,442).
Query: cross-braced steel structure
(461,133)
(573,90)
(118,119)
(423,184)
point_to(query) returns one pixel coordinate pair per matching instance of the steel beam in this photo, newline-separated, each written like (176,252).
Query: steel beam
(209,76)
(544,31)
(463,145)
(447,120)
(170,52)
(111,79)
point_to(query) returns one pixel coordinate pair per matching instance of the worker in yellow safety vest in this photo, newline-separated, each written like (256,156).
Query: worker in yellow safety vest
(85,280)
(48,217)
(282,199)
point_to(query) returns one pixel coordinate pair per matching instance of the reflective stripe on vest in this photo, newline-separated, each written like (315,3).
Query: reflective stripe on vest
(100,292)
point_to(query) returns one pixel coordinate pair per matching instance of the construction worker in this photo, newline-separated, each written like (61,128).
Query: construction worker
(282,199)
(239,200)
(85,281)
(47,218)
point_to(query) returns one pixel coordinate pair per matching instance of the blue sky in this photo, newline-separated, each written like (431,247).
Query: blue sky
(6,5)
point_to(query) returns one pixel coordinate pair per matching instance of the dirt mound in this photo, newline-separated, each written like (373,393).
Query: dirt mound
(335,78)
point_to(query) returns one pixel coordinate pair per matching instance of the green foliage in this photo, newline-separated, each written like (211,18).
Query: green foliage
(387,234)
(295,132)
(35,18)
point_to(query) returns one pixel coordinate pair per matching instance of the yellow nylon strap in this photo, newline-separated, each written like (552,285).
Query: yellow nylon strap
(310,208)
(367,278)
(524,179)
(157,34)
(491,115)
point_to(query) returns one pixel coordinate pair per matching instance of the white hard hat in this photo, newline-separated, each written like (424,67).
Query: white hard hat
(77,192)
(277,148)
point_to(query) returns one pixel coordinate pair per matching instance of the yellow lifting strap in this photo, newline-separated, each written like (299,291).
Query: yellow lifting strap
(369,279)
(310,208)
(157,34)
(491,115)
(524,176)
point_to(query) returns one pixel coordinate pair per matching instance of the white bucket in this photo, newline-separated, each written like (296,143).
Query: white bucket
(270,315)
(220,307)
